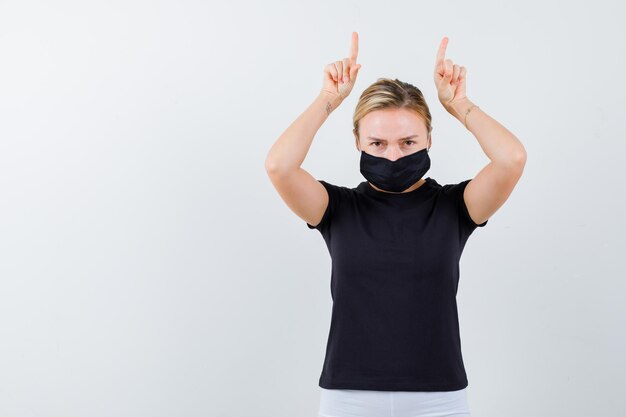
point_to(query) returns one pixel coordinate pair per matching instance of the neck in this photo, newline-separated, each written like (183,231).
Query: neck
(411,188)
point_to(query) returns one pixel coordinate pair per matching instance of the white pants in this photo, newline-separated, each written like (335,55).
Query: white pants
(368,403)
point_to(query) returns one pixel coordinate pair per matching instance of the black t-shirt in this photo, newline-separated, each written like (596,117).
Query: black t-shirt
(394,278)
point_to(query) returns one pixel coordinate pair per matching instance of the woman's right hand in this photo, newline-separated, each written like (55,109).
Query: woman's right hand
(340,76)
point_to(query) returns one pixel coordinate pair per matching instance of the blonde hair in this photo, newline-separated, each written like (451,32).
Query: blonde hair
(386,93)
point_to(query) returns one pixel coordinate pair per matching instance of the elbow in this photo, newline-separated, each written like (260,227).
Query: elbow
(274,168)
(513,163)
(271,163)
(270,166)
(520,159)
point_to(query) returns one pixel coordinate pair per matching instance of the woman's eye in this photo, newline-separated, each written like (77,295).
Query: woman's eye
(408,142)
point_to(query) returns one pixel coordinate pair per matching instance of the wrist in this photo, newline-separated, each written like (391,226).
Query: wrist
(461,110)
(331,101)
(459,107)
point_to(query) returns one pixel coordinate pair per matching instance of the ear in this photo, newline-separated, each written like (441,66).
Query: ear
(356,141)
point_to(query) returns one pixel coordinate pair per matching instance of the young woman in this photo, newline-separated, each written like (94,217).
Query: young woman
(395,240)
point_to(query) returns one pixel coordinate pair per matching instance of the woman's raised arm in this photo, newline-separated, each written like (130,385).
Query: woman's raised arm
(302,193)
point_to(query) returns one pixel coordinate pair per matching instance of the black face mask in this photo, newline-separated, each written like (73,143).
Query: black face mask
(396,175)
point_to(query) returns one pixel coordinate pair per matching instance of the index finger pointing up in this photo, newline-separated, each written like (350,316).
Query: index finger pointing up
(441,54)
(354,47)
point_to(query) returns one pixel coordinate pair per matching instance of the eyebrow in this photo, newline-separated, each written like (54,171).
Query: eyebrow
(383,140)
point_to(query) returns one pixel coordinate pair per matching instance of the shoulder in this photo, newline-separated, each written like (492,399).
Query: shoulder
(338,191)
(339,197)
(454,189)
(454,193)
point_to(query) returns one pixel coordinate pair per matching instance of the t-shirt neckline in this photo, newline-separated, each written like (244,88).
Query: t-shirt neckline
(418,191)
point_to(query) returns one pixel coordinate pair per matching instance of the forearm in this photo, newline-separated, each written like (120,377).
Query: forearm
(290,149)
(498,143)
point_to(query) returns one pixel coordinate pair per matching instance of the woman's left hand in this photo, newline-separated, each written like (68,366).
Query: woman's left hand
(449,78)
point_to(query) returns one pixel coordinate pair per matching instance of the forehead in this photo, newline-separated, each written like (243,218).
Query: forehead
(390,124)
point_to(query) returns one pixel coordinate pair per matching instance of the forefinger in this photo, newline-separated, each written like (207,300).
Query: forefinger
(354,47)
(441,54)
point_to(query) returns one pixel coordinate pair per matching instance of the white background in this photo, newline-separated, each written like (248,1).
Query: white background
(149,268)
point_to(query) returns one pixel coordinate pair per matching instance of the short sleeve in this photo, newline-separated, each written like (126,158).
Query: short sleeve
(334,198)
(455,192)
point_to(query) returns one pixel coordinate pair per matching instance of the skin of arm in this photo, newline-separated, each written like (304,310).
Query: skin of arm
(498,143)
(492,186)
(306,196)
(290,149)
